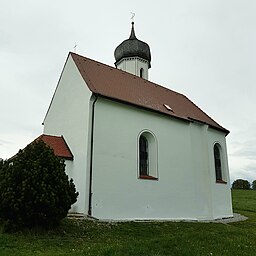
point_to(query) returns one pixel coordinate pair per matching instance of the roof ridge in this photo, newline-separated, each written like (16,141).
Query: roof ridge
(84,74)
(126,73)
(81,56)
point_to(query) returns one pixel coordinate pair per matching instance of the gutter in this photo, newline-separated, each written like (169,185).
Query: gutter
(186,119)
(91,156)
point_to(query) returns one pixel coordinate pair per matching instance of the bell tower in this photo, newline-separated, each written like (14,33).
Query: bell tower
(133,56)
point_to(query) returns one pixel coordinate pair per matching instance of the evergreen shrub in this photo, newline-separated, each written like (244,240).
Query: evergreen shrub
(254,185)
(34,188)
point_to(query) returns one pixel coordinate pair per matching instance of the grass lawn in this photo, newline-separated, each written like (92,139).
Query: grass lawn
(81,237)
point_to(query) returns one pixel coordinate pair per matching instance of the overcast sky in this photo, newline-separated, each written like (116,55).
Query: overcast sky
(204,49)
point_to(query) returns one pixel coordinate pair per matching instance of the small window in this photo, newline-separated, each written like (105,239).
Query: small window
(218,163)
(142,72)
(147,156)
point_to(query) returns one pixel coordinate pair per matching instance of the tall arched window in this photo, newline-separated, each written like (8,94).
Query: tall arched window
(147,156)
(142,72)
(217,162)
(143,151)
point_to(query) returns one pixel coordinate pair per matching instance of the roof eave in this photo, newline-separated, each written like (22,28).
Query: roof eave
(186,119)
(141,107)
(222,129)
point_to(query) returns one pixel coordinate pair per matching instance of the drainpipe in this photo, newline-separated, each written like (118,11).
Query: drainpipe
(91,157)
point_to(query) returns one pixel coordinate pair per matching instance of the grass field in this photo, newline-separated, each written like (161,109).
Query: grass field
(81,237)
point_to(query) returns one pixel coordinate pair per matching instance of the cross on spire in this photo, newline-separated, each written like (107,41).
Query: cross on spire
(75,48)
(132,17)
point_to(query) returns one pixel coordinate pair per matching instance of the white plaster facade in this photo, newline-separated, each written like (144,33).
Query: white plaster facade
(185,187)
(134,65)
(68,115)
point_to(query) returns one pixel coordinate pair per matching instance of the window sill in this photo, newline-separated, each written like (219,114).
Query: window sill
(147,177)
(221,181)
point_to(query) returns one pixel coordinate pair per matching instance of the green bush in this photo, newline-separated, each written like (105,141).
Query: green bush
(34,188)
(254,185)
(1,163)
(241,184)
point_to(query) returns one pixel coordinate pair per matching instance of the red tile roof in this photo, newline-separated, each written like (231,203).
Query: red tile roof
(58,144)
(116,84)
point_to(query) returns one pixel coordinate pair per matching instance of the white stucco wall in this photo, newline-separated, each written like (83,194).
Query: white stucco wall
(186,186)
(68,115)
(222,202)
(133,65)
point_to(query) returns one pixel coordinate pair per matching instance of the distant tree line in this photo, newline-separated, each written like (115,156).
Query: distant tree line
(243,184)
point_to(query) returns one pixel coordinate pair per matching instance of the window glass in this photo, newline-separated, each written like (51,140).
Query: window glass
(142,72)
(217,161)
(143,148)
(147,156)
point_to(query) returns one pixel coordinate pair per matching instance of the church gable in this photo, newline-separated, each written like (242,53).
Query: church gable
(70,86)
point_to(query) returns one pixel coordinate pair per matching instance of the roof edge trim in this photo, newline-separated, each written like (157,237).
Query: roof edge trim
(212,126)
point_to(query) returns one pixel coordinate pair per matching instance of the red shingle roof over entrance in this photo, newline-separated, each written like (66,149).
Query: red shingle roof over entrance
(116,84)
(58,144)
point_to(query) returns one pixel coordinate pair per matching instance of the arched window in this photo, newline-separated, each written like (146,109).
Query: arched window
(142,72)
(143,148)
(147,156)
(217,162)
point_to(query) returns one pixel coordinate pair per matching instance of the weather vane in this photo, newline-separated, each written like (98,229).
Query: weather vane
(132,18)
(75,48)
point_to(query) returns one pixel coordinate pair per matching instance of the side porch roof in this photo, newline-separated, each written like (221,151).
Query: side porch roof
(58,144)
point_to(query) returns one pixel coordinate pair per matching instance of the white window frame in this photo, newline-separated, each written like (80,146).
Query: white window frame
(223,170)
(152,155)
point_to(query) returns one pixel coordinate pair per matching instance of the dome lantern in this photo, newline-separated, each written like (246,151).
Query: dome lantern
(133,55)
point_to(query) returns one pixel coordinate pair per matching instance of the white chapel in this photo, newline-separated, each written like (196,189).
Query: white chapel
(136,150)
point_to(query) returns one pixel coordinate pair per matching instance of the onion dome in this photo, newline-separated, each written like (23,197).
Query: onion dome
(133,47)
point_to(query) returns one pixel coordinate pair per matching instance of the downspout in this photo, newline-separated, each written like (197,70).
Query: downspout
(91,156)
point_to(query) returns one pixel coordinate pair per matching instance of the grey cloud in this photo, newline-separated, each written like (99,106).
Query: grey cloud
(5,142)
(204,49)
(247,172)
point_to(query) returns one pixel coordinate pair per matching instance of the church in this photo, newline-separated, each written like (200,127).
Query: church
(135,149)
